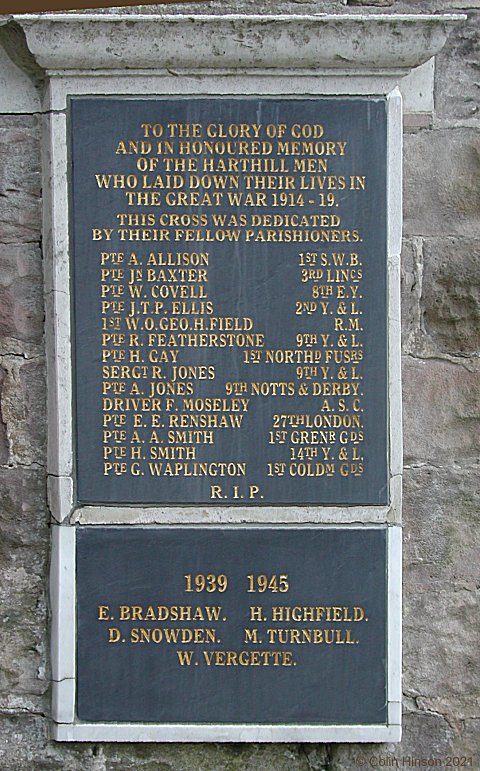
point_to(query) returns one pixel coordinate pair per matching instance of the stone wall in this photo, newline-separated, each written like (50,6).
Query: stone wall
(441,335)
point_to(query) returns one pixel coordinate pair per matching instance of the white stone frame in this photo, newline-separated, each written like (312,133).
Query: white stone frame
(67,728)
(168,56)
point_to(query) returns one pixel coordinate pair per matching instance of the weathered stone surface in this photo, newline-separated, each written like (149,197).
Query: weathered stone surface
(293,6)
(441,628)
(411,271)
(17,90)
(457,90)
(24,408)
(24,540)
(441,543)
(441,408)
(442,183)
(209,757)
(23,510)
(440,296)
(25,744)
(21,299)
(381,3)
(20,179)
(424,737)
(467,741)
(233,6)
(3,427)
(416,121)
(434,6)
(451,293)
(441,513)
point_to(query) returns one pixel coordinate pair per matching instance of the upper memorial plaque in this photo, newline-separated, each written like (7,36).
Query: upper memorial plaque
(229,272)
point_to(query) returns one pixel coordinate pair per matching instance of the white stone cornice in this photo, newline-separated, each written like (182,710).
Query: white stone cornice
(370,43)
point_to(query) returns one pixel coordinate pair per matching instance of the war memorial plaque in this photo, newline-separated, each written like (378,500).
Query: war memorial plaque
(229,306)
(222,270)
(230,299)
(232,626)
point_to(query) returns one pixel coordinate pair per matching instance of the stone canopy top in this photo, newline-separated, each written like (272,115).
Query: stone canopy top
(366,44)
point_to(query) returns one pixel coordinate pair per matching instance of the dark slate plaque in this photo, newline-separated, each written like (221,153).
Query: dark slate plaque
(239,356)
(323,661)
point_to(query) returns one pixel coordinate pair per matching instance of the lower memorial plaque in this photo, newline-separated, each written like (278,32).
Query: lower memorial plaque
(267,626)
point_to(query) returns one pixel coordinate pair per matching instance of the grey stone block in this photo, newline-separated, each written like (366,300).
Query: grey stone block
(17,89)
(433,6)
(411,274)
(23,567)
(467,739)
(451,293)
(3,428)
(425,736)
(440,633)
(457,91)
(25,744)
(441,541)
(216,7)
(442,524)
(21,299)
(23,510)
(376,3)
(440,296)
(20,179)
(440,408)
(442,183)
(23,409)
(211,757)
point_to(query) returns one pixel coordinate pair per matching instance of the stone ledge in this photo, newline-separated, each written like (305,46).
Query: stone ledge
(347,42)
